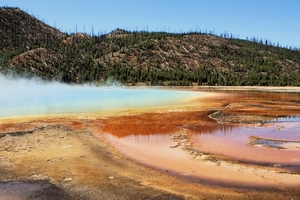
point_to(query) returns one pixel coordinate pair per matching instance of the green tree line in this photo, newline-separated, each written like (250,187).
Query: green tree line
(155,58)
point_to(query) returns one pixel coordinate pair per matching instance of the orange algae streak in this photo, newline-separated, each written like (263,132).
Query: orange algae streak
(15,127)
(144,124)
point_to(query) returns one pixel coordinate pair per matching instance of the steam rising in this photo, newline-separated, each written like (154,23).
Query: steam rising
(23,97)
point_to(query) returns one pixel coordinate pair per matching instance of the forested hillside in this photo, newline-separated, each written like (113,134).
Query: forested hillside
(30,47)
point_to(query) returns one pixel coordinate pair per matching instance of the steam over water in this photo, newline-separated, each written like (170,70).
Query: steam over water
(20,97)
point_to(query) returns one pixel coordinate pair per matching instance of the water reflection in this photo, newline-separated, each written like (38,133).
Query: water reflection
(234,143)
(284,119)
(151,138)
(212,129)
(223,140)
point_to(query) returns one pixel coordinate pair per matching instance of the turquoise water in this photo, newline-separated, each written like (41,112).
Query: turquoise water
(31,97)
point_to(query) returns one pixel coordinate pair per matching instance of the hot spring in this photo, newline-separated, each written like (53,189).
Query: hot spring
(21,97)
(178,134)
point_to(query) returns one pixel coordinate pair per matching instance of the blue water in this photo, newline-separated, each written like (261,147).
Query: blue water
(31,97)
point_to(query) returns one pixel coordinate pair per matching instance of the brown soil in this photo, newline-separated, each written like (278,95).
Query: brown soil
(68,158)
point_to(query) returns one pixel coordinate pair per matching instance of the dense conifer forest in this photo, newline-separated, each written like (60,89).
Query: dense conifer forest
(29,47)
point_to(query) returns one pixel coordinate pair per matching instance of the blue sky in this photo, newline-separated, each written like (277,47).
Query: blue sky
(277,20)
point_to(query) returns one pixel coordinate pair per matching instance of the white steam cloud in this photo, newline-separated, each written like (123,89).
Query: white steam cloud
(24,97)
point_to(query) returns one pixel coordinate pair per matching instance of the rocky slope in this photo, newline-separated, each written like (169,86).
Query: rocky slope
(19,29)
(30,47)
